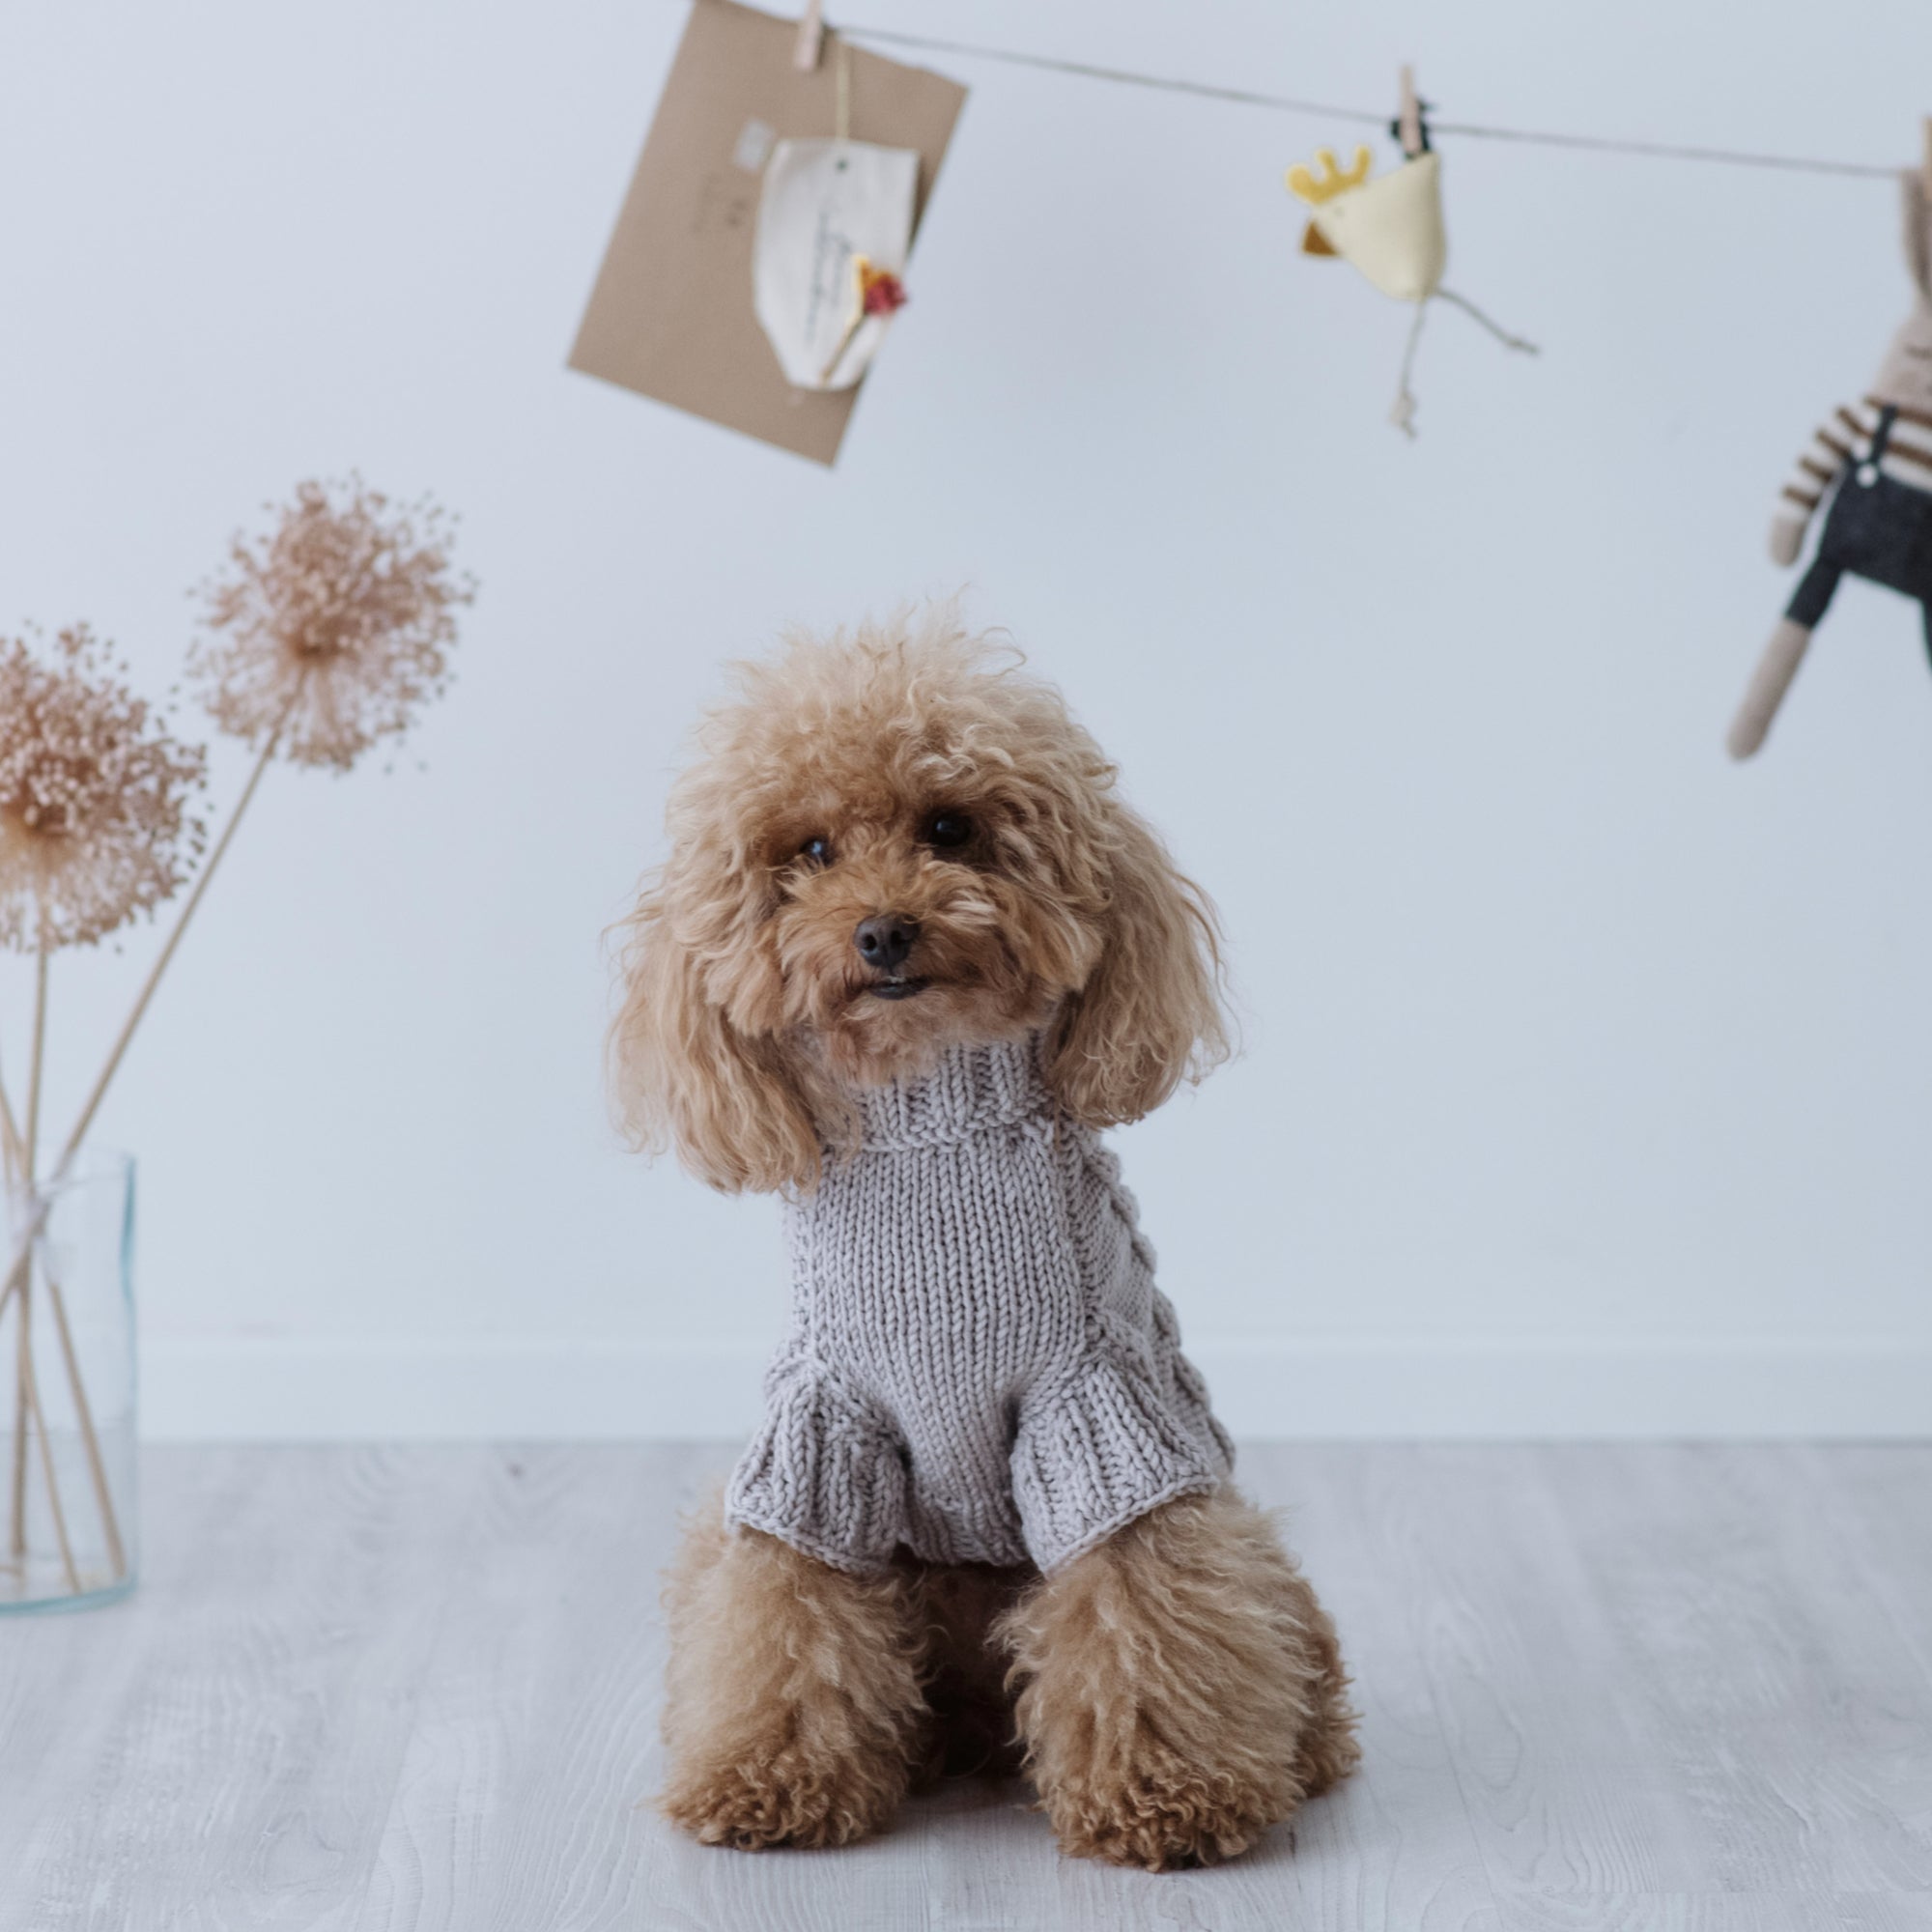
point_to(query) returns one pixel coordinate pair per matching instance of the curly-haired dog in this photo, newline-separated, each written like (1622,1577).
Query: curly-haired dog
(910,954)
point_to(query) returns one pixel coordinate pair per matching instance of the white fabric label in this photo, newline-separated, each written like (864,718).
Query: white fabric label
(824,203)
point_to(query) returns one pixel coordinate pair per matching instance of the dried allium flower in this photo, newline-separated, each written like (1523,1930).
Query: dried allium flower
(95,825)
(335,628)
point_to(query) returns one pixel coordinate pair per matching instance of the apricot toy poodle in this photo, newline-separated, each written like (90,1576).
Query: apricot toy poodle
(911,954)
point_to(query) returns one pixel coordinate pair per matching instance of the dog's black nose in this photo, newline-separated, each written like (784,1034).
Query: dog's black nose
(885,939)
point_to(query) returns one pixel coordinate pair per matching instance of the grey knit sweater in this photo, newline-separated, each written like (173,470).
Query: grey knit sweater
(979,1365)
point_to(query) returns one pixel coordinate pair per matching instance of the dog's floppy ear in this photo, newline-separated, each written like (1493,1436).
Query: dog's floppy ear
(685,1077)
(1150,1014)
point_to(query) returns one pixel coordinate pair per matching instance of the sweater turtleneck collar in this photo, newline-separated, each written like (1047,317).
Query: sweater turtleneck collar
(973,1087)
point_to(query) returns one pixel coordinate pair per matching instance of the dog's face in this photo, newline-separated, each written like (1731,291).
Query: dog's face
(891,845)
(925,868)
(901,926)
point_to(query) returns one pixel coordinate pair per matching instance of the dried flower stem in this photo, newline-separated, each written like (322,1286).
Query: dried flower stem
(23,1376)
(837,355)
(35,1065)
(53,1494)
(37,1219)
(97,1467)
(38,1205)
(11,1147)
(174,939)
(10,1150)
(24,1334)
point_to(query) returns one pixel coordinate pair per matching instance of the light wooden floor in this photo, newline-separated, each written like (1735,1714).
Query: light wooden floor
(1633,1688)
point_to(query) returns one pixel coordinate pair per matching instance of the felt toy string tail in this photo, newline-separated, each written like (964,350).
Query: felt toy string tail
(1403,412)
(1494,327)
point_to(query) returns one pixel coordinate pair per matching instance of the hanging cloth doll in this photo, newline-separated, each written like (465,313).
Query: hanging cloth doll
(1873,461)
(1390,230)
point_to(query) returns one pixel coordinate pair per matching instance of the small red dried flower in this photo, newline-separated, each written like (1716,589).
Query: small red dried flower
(880,290)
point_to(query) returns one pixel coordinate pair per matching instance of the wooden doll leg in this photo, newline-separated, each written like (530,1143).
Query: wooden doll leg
(1772,679)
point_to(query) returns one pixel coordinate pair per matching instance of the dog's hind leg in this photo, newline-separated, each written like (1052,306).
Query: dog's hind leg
(959,1607)
(793,1714)
(1182,1687)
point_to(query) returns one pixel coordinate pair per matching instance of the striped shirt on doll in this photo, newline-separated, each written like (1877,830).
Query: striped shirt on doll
(1845,441)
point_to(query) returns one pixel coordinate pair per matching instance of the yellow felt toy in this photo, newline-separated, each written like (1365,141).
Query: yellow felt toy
(1390,230)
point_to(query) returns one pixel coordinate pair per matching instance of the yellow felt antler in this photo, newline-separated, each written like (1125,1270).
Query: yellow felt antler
(1308,187)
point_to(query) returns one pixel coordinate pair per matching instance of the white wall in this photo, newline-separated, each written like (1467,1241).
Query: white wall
(1588,1076)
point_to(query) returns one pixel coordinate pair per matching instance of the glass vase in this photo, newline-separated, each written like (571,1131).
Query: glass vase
(66,1390)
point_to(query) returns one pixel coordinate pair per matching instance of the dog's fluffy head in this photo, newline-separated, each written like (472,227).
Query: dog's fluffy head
(913,773)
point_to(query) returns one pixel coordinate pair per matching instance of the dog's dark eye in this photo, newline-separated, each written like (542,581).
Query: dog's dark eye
(816,851)
(946,829)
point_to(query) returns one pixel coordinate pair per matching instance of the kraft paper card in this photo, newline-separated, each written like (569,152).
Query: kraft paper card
(672,313)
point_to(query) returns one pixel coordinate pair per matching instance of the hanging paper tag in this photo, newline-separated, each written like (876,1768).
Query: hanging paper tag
(671,314)
(825,205)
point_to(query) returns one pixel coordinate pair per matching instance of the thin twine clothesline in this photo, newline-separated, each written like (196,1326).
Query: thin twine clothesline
(1668,150)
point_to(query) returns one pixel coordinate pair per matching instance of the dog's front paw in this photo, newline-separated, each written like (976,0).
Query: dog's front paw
(1160,1815)
(786,1800)
(733,1806)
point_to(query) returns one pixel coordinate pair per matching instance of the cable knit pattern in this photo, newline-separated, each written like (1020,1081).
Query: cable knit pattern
(980,1366)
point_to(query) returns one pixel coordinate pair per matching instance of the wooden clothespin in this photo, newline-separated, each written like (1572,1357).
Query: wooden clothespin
(810,40)
(1408,127)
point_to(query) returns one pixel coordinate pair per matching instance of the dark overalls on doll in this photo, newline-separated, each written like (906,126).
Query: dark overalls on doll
(1878,528)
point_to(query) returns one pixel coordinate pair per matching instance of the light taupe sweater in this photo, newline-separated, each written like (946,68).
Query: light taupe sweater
(978,1366)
